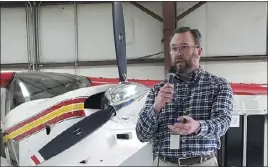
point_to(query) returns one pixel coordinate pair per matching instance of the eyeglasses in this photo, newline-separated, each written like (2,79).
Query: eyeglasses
(183,48)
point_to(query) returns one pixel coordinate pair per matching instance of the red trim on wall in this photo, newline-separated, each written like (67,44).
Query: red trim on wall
(238,88)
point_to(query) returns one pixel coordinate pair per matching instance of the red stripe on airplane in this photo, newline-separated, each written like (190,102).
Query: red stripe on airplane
(35,160)
(78,113)
(45,112)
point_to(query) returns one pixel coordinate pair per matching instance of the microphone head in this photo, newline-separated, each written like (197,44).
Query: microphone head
(172,70)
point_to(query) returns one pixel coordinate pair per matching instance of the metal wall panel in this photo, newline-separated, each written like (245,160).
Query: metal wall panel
(250,151)
(154,6)
(233,145)
(255,140)
(236,28)
(95,32)
(13,35)
(148,34)
(229,28)
(247,72)
(95,36)
(145,71)
(265,155)
(57,33)
(196,19)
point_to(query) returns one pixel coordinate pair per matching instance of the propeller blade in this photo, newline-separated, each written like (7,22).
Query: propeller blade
(76,133)
(120,40)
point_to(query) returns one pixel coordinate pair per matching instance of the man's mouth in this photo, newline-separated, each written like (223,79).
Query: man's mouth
(179,61)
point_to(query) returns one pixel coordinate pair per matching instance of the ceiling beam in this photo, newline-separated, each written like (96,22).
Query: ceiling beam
(16,4)
(190,10)
(145,10)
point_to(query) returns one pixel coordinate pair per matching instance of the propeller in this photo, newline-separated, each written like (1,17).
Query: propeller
(93,122)
(120,40)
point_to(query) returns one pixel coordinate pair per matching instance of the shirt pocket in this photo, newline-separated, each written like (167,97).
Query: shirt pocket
(167,115)
(200,104)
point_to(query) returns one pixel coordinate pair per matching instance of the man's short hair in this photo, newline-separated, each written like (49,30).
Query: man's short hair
(195,33)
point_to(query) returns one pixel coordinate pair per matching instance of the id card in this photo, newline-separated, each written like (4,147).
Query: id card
(174,141)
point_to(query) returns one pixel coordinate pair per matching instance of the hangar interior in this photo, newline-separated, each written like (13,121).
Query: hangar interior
(77,38)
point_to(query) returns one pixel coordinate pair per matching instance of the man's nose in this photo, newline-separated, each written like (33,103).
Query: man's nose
(178,53)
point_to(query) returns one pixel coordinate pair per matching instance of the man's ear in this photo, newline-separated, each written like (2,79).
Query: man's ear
(199,51)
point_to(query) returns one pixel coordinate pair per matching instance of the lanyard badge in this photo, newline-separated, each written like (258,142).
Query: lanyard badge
(175,138)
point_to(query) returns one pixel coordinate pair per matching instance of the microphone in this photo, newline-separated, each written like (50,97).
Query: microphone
(172,73)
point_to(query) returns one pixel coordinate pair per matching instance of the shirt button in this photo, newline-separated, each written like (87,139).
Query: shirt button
(154,117)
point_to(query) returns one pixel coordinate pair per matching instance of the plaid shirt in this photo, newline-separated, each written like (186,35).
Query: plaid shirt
(206,98)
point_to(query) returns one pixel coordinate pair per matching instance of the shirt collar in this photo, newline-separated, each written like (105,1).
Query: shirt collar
(193,77)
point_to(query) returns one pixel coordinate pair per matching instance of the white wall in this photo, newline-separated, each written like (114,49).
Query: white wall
(144,71)
(230,29)
(95,37)
(13,35)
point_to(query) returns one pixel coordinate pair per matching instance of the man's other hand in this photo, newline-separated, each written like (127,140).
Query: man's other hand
(190,126)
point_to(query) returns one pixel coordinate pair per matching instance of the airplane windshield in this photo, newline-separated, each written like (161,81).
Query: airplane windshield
(39,85)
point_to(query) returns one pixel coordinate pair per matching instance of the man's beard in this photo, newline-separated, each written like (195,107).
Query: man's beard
(185,66)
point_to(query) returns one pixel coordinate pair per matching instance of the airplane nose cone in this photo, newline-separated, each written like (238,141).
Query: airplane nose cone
(124,93)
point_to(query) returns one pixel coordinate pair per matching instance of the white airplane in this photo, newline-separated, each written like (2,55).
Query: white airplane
(69,120)
(63,130)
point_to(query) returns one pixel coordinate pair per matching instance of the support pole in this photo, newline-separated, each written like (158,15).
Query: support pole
(169,25)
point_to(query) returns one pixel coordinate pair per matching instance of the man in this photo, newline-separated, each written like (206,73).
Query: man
(185,120)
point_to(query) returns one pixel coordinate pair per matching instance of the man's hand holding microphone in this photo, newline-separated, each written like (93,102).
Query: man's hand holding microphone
(164,96)
(184,125)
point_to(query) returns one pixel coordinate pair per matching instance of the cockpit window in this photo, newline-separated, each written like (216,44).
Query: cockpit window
(37,85)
